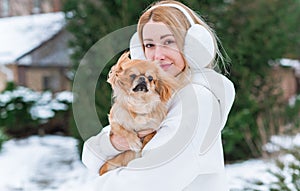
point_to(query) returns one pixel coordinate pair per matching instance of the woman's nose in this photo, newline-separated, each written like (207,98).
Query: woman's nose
(159,53)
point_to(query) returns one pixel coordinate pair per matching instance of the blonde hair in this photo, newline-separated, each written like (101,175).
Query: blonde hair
(178,24)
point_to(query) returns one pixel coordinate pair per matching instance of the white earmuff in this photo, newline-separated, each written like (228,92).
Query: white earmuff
(136,48)
(199,47)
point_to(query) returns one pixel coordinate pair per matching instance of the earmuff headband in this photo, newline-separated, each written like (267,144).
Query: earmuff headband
(180,8)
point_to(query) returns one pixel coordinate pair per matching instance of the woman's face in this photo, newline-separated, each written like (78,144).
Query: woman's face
(161,46)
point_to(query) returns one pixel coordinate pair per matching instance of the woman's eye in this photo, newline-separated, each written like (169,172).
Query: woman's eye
(132,76)
(168,42)
(149,45)
(150,78)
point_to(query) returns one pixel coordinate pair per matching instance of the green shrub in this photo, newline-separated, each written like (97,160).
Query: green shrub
(14,110)
(23,111)
(249,31)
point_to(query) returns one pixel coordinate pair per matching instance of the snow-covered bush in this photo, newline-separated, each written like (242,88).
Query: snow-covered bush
(23,109)
(3,138)
(292,114)
(286,173)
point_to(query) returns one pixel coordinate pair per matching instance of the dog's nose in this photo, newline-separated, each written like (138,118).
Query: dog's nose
(142,79)
(142,85)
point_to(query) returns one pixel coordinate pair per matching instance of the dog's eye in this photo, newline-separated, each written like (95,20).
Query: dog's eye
(132,76)
(150,78)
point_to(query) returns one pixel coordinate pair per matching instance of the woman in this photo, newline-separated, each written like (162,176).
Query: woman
(186,153)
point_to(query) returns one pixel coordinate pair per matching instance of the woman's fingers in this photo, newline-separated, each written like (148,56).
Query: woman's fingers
(144,133)
(119,142)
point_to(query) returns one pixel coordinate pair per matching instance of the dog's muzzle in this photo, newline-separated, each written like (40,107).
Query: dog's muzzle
(141,86)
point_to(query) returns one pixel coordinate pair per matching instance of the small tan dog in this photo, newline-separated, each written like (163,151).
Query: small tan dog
(141,91)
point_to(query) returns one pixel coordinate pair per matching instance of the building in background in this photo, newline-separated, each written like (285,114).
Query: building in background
(294,83)
(9,8)
(34,45)
(34,52)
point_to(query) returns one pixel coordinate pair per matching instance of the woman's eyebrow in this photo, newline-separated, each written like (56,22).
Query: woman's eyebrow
(148,39)
(166,35)
(162,37)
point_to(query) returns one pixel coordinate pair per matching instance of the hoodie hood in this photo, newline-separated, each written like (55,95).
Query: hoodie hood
(223,90)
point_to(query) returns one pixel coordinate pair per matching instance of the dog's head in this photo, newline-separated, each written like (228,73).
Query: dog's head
(141,79)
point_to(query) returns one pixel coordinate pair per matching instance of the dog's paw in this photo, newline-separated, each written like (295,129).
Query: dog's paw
(135,144)
(107,166)
(104,168)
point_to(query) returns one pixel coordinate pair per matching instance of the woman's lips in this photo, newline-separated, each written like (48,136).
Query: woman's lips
(165,66)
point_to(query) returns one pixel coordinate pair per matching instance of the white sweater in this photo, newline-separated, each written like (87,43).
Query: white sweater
(185,154)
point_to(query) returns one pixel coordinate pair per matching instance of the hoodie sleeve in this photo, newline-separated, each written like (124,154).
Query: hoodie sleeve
(97,149)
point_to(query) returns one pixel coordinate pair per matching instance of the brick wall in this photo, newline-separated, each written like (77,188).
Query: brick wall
(287,80)
(28,7)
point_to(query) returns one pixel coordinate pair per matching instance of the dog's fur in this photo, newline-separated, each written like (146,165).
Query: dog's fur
(141,90)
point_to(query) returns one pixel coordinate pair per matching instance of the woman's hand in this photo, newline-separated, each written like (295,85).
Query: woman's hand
(120,142)
(144,133)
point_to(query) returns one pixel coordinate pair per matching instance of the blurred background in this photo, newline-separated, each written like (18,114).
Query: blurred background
(43,41)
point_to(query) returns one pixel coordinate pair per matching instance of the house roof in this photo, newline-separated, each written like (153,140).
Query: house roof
(19,35)
(295,64)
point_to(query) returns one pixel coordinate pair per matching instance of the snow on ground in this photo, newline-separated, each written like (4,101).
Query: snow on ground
(48,163)
(240,174)
(51,163)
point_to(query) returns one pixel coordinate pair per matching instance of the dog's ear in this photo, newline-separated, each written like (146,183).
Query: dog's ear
(112,75)
(165,86)
(117,68)
(164,91)
(124,58)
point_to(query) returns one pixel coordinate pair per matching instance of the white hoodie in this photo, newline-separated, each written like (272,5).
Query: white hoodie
(185,154)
